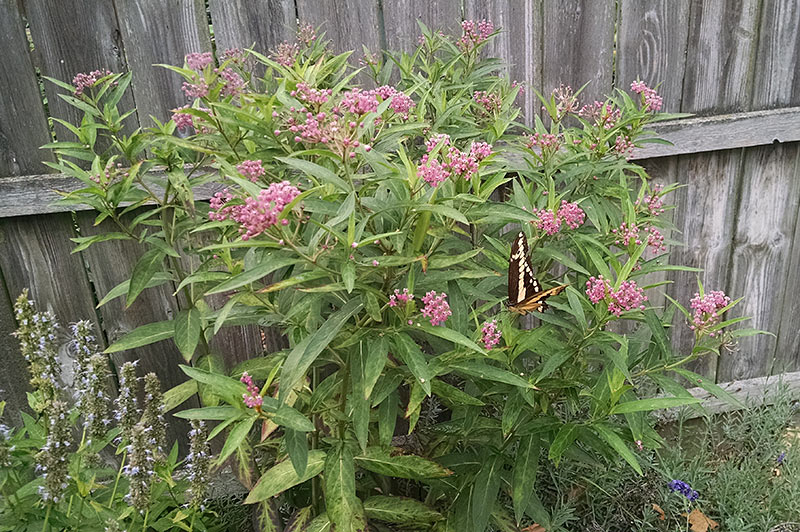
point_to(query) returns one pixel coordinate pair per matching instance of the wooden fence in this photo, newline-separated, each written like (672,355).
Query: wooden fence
(734,63)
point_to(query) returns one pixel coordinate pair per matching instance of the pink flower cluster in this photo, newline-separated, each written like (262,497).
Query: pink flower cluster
(550,222)
(627,297)
(285,54)
(252,399)
(256,215)
(654,202)
(627,234)
(83,81)
(308,94)
(306,34)
(475,33)
(490,101)
(490,335)
(252,170)
(359,101)
(400,298)
(436,307)
(197,89)
(199,60)
(547,143)
(455,162)
(566,101)
(182,120)
(706,309)
(402,104)
(624,146)
(232,83)
(602,113)
(650,99)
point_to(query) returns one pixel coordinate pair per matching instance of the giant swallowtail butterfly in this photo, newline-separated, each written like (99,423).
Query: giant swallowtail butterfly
(525,294)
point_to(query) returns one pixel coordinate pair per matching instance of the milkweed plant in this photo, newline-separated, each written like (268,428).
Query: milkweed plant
(367,214)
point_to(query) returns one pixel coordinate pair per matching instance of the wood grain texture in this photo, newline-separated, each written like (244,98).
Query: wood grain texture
(400,20)
(777,80)
(765,226)
(73,36)
(152,305)
(19,97)
(723,132)
(720,54)
(787,351)
(652,47)
(348,24)
(578,46)
(262,24)
(519,44)
(14,375)
(705,219)
(160,32)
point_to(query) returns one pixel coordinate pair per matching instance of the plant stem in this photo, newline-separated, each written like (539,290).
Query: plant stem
(144,524)
(46,517)
(116,481)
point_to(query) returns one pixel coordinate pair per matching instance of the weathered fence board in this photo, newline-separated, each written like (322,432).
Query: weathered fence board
(19,97)
(73,36)
(258,23)
(519,44)
(777,80)
(652,47)
(400,20)
(349,25)
(157,32)
(578,46)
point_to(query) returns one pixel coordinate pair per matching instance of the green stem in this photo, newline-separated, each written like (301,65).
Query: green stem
(144,524)
(116,481)
(46,517)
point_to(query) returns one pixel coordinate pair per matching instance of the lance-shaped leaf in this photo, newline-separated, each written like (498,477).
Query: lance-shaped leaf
(408,350)
(401,466)
(343,506)
(144,335)
(306,352)
(525,474)
(400,510)
(485,490)
(283,476)
(144,270)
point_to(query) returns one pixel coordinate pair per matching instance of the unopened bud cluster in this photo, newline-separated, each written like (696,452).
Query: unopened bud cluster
(52,461)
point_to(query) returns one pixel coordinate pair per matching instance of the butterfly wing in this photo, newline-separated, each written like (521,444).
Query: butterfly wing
(525,294)
(521,282)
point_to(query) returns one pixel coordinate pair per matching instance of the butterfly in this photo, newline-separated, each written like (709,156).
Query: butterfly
(525,294)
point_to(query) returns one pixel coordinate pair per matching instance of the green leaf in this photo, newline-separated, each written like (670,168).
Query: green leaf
(376,356)
(438,262)
(297,447)
(349,275)
(286,416)
(616,442)
(442,210)
(485,371)
(451,335)
(658,403)
(373,308)
(412,356)
(525,467)
(222,385)
(710,387)
(144,335)
(485,491)
(187,332)
(400,510)
(122,288)
(552,253)
(563,440)
(235,438)
(452,396)
(408,466)
(177,395)
(215,413)
(86,241)
(143,271)
(343,506)
(320,173)
(270,264)
(306,352)
(283,476)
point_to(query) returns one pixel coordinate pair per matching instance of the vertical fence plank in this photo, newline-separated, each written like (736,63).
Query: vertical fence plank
(518,44)
(400,20)
(349,24)
(19,97)
(259,23)
(767,213)
(72,36)
(160,32)
(152,305)
(787,351)
(652,47)
(578,46)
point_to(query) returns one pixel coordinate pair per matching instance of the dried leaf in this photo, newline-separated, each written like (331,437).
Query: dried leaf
(699,521)
(535,527)
(659,511)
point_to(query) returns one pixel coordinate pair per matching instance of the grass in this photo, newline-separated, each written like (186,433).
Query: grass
(731,460)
